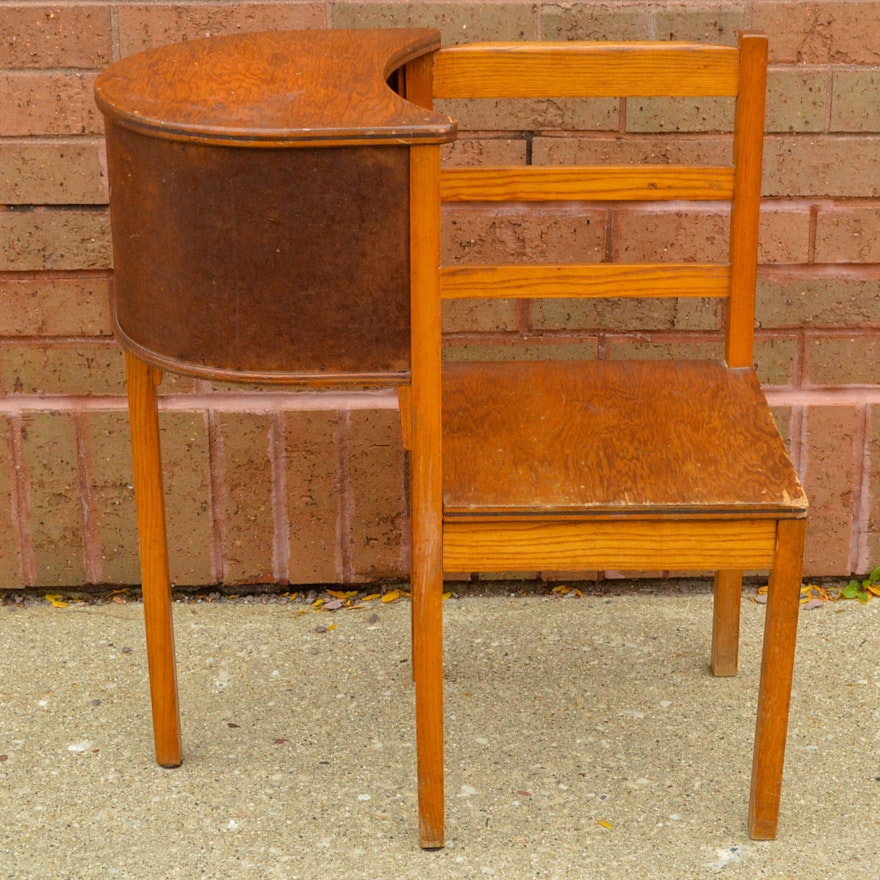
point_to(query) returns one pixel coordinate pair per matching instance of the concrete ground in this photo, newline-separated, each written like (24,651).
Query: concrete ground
(585,739)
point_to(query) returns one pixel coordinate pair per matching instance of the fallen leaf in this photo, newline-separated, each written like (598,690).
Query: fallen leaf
(371,597)
(55,600)
(604,824)
(391,596)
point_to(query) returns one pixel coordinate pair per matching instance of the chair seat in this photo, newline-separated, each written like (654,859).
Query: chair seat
(606,438)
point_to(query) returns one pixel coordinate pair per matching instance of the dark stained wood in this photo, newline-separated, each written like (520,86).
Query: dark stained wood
(607,438)
(269,265)
(279,88)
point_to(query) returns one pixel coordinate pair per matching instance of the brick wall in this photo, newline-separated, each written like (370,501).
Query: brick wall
(309,488)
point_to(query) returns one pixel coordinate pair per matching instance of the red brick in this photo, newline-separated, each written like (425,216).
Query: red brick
(186,469)
(593,21)
(784,234)
(58,173)
(313,497)
(10,575)
(628,348)
(670,234)
(483,315)
(83,369)
(458,22)
(620,315)
(819,33)
(796,100)
(855,104)
(522,347)
(658,149)
(848,235)
(466,151)
(378,496)
(557,234)
(55,521)
(829,482)
(55,306)
(248,521)
(702,22)
(831,165)
(775,358)
(48,104)
(48,35)
(501,114)
(679,114)
(113,502)
(843,360)
(145,26)
(835,301)
(56,240)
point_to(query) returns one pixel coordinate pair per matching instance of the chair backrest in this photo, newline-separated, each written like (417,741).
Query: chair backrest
(619,70)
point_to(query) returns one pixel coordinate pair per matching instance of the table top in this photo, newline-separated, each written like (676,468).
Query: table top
(277,88)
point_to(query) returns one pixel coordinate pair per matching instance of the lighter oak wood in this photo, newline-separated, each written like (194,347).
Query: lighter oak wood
(777,667)
(576,69)
(586,281)
(533,183)
(606,544)
(156,582)
(427,488)
(745,217)
(725,622)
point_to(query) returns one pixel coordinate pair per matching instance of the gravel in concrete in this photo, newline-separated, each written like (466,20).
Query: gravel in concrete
(585,739)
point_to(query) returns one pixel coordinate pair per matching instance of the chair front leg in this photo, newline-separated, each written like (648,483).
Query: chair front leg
(156,582)
(777,667)
(725,622)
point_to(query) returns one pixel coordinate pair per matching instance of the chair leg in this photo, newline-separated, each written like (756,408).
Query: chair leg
(725,622)
(777,666)
(427,598)
(156,582)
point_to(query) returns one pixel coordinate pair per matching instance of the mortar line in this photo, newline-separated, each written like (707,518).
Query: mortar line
(92,561)
(217,496)
(345,502)
(860,561)
(280,514)
(21,506)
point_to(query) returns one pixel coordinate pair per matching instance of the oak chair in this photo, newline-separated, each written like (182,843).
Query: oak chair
(601,464)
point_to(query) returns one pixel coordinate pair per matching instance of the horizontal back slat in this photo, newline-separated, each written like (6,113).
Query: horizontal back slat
(589,280)
(571,70)
(584,183)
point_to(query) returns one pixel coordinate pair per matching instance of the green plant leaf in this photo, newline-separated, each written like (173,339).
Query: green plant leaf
(874,576)
(863,596)
(851,590)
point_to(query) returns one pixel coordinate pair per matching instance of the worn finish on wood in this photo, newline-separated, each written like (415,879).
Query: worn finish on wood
(274,89)
(156,584)
(594,437)
(625,465)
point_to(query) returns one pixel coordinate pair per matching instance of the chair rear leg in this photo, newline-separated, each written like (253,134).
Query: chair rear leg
(150,501)
(777,666)
(725,622)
